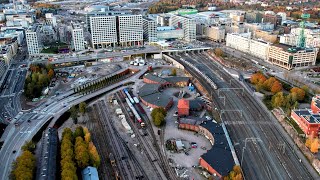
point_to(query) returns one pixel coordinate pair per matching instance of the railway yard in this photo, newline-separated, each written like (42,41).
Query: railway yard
(255,133)
(131,147)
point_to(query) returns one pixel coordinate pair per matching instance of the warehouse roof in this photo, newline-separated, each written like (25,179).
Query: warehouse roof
(175,79)
(157,99)
(219,157)
(196,104)
(148,89)
(155,78)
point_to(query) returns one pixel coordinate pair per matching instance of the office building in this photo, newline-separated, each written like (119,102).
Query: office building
(124,30)
(312,37)
(289,57)
(215,33)
(169,32)
(187,24)
(77,37)
(273,19)
(33,40)
(103,13)
(253,17)
(244,43)
(130,32)
(103,32)
(149,30)
(51,20)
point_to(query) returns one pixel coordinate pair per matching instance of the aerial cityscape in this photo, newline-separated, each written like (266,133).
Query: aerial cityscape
(160,90)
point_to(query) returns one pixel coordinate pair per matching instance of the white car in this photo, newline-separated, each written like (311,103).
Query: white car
(131,62)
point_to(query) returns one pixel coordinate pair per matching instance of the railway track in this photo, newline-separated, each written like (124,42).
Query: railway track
(100,142)
(146,145)
(272,137)
(267,154)
(128,166)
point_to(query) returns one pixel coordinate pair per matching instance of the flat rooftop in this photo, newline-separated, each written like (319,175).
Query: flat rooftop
(308,115)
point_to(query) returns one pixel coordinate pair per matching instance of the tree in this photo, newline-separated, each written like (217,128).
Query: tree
(314,145)
(258,78)
(159,119)
(87,137)
(269,83)
(51,73)
(174,72)
(218,52)
(305,88)
(29,146)
(308,142)
(94,156)
(82,107)
(276,87)
(278,100)
(81,153)
(78,132)
(300,93)
(74,114)
(24,166)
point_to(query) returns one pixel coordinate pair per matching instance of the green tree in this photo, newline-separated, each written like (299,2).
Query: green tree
(278,100)
(74,114)
(78,132)
(29,146)
(174,72)
(159,119)
(82,107)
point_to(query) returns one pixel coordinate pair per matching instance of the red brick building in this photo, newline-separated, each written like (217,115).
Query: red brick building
(315,104)
(218,161)
(183,107)
(309,119)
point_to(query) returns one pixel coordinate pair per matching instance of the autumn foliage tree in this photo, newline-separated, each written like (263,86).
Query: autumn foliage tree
(299,92)
(235,174)
(158,116)
(276,87)
(81,153)
(68,168)
(218,52)
(24,166)
(94,155)
(314,145)
(258,78)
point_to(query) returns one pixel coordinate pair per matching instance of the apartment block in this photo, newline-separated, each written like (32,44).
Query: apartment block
(273,19)
(33,40)
(103,31)
(289,57)
(77,37)
(130,30)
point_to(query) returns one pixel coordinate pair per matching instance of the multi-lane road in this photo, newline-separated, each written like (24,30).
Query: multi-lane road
(268,152)
(30,122)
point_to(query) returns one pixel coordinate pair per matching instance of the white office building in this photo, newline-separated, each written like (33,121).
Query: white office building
(149,30)
(103,31)
(130,30)
(33,40)
(187,24)
(312,37)
(77,37)
(51,19)
(244,43)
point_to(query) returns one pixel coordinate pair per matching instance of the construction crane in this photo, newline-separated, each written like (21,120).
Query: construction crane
(302,37)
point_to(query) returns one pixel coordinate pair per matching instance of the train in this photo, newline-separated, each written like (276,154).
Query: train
(135,113)
(122,96)
(125,90)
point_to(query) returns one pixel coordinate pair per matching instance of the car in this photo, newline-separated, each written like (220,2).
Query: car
(186,153)
(14,151)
